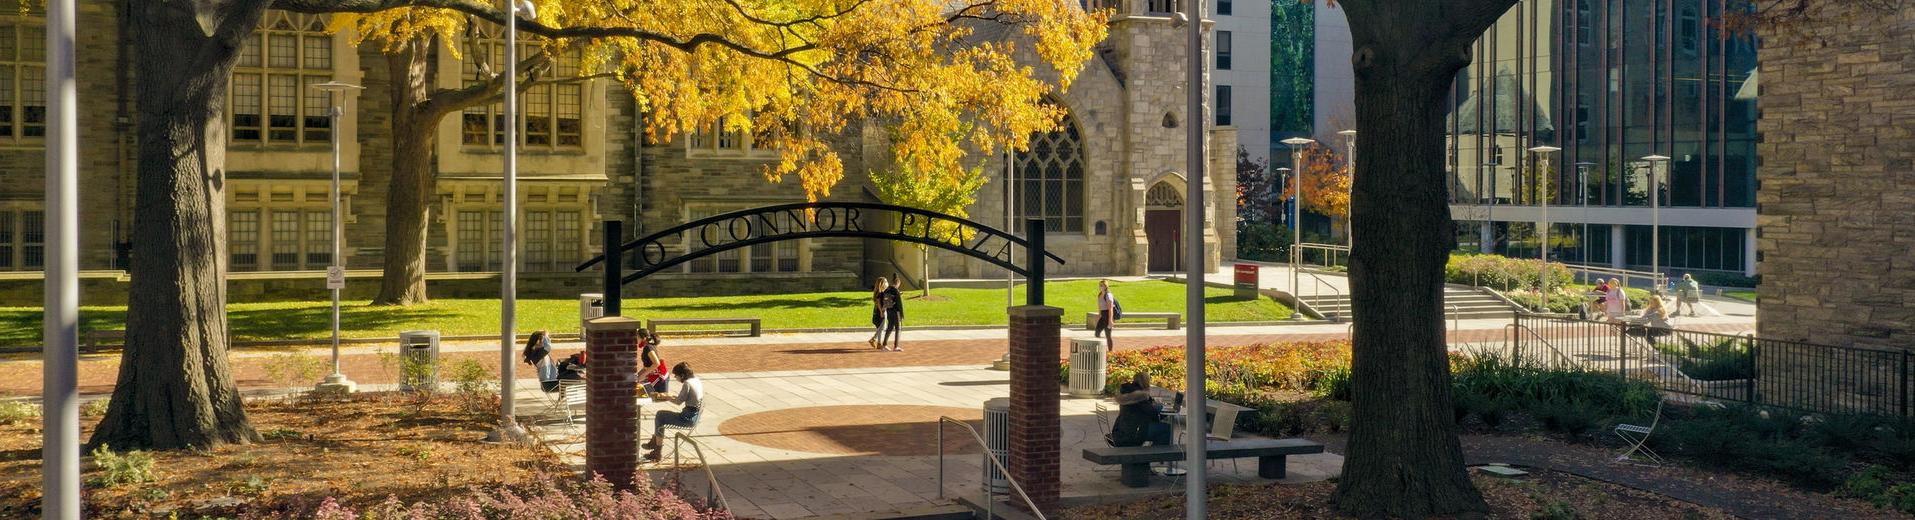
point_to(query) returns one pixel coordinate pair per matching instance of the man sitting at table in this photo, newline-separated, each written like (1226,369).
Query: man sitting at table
(1137,415)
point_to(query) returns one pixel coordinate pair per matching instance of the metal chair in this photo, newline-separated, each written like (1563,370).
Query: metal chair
(570,394)
(1637,436)
(1224,426)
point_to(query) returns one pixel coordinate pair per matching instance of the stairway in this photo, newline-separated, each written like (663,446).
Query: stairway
(1460,302)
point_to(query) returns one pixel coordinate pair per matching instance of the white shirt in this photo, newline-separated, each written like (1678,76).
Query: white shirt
(691,393)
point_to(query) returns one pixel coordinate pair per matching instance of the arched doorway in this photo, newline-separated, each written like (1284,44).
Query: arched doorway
(1163,226)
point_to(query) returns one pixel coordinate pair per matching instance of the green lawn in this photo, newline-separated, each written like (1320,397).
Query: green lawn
(310,320)
(1744,294)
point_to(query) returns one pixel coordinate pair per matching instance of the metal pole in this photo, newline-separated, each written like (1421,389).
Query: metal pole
(335,377)
(509,429)
(1349,205)
(1296,220)
(1542,229)
(1194,67)
(59,389)
(1582,199)
(1655,220)
(1034,261)
(1010,198)
(612,302)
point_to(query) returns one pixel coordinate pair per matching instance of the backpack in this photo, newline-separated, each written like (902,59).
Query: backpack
(1116,309)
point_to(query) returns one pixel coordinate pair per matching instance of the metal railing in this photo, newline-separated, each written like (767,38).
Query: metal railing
(714,495)
(1513,337)
(990,503)
(1321,283)
(1327,258)
(1629,277)
(1741,368)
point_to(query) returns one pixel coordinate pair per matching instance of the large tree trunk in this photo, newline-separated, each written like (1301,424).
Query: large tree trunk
(1403,458)
(175,389)
(409,193)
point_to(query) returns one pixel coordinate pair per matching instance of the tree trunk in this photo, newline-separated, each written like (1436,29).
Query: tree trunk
(175,389)
(1403,458)
(408,195)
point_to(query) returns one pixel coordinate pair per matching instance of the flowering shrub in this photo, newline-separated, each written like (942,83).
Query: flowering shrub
(555,497)
(1501,272)
(1272,379)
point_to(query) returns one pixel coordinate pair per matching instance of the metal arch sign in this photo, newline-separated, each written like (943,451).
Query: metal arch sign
(720,233)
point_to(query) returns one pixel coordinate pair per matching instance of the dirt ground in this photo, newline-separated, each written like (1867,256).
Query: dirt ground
(1540,495)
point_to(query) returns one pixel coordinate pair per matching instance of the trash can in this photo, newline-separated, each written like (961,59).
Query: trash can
(419,360)
(1087,367)
(997,436)
(590,305)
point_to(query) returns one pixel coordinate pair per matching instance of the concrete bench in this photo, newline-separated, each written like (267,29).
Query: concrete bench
(95,339)
(1171,319)
(652,325)
(1270,453)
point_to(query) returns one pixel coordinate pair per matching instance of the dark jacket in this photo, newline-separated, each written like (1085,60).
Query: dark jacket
(1133,418)
(893,302)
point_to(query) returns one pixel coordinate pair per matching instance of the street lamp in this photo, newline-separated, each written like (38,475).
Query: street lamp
(1283,179)
(1582,199)
(1349,172)
(1655,217)
(509,429)
(1296,218)
(336,91)
(1542,230)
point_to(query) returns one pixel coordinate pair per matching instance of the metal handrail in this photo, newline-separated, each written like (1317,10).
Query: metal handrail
(1515,356)
(989,503)
(678,439)
(1456,317)
(1332,248)
(1321,283)
(1656,279)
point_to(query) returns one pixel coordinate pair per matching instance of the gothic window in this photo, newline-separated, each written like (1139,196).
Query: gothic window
(552,111)
(272,94)
(22,239)
(1049,179)
(1163,195)
(23,100)
(774,257)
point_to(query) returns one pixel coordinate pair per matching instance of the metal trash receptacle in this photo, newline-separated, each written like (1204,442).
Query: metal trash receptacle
(997,436)
(590,305)
(419,360)
(1087,367)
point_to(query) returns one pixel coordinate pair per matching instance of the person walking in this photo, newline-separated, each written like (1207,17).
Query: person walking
(1601,296)
(1688,294)
(893,304)
(1616,303)
(691,398)
(877,311)
(1106,315)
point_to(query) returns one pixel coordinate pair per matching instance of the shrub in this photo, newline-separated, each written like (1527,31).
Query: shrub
(1753,439)
(551,497)
(18,412)
(96,407)
(1723,359)
(1501,272)
(131,467)
(1722,279)
(294,368)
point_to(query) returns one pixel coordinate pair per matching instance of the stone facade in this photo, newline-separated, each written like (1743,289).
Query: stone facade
(1127,108)
(1837,178)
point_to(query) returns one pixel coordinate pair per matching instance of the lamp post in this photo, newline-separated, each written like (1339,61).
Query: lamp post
(1582,200)
(60,326)
(336,272)
(1195,490)
(1542,229)
(1283,179)
(1655,216)
(509,429)
(1349,172)
(1296,217)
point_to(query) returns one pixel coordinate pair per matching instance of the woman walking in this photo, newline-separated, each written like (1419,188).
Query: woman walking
(1106,315)
(1616,303)
(877,311)
(893,304)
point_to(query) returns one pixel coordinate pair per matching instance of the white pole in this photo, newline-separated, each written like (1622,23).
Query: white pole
(1010,197)
(1194,430)
(1655,219)
(59,390)
(1349,204)
(336,381)
(1542,229)
(509,429)
(1296,220)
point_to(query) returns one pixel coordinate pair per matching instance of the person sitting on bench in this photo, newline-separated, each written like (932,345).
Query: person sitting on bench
(1137,415)
(691,395)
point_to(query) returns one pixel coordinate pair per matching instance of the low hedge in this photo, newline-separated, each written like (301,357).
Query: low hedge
(1501,272)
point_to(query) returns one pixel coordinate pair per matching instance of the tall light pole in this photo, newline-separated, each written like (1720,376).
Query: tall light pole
(1582,200)
(336,272)
(60,326)
(1349,173)
(1655,216)
(1195,66)
(509,429)
(1283,179)
(1296,217)
(1542,229)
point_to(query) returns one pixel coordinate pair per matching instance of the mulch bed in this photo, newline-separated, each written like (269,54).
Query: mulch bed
(358,450)
(1541,494)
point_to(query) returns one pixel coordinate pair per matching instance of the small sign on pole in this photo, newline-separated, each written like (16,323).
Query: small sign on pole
(336,277)
(1246,281)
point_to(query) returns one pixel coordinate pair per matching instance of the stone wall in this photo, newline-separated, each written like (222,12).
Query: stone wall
(1836,204)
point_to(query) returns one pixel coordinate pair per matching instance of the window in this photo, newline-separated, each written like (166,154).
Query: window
(1164,6)
(272,95)
(1582,117)
(1049,179)
(22,240)
(242,232)
(318,239)
(1223,6)
(715,139)
(774,257)
(1585,23)
(552,113)
(1688,30)
(23,100)
(549,240)
(1223,50)
(1223,105)
(1496,154)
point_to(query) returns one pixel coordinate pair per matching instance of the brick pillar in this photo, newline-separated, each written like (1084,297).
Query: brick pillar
(611,415)
(1034,397)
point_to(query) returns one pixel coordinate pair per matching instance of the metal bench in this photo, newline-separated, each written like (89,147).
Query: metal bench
(95,339)
(652,325)
(1171,319)
(1270,453)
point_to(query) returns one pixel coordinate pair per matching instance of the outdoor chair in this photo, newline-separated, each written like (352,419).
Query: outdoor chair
(1637,436)
(1223,426)
(570,394)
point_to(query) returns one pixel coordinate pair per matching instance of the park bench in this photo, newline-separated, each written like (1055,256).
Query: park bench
(652,325)
(95,339)
(1270,453)
(1171,319)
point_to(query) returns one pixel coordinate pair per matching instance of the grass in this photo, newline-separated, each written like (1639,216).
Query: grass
(955,306)
(1745,295)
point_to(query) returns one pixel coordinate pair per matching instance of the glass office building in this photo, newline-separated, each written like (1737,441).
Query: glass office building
(1609,82)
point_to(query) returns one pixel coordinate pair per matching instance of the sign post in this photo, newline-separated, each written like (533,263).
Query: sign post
(1246,281)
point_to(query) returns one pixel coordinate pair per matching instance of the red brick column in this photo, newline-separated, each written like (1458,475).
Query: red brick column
(1034,397)
(611,415)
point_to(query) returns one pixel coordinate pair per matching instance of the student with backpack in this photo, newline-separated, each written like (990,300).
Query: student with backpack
(893,304)
(1108,312)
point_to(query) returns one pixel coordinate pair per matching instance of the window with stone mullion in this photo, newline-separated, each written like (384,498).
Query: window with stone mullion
(23,109)
(272,95)
(1049,180)
(551,113)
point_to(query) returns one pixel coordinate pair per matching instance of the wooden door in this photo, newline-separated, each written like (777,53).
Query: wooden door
(1163,229)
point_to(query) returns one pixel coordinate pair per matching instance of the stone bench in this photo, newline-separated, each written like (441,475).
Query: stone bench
(1171,319)
(1271,455)
(95,339)
(652,325)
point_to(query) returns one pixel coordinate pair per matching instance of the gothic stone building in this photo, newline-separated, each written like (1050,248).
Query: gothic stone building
(1109,183)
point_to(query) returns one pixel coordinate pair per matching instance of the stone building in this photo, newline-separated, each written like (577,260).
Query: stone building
(1109,183)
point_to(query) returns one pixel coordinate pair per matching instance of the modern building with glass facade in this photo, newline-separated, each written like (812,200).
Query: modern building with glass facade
(1610,82)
